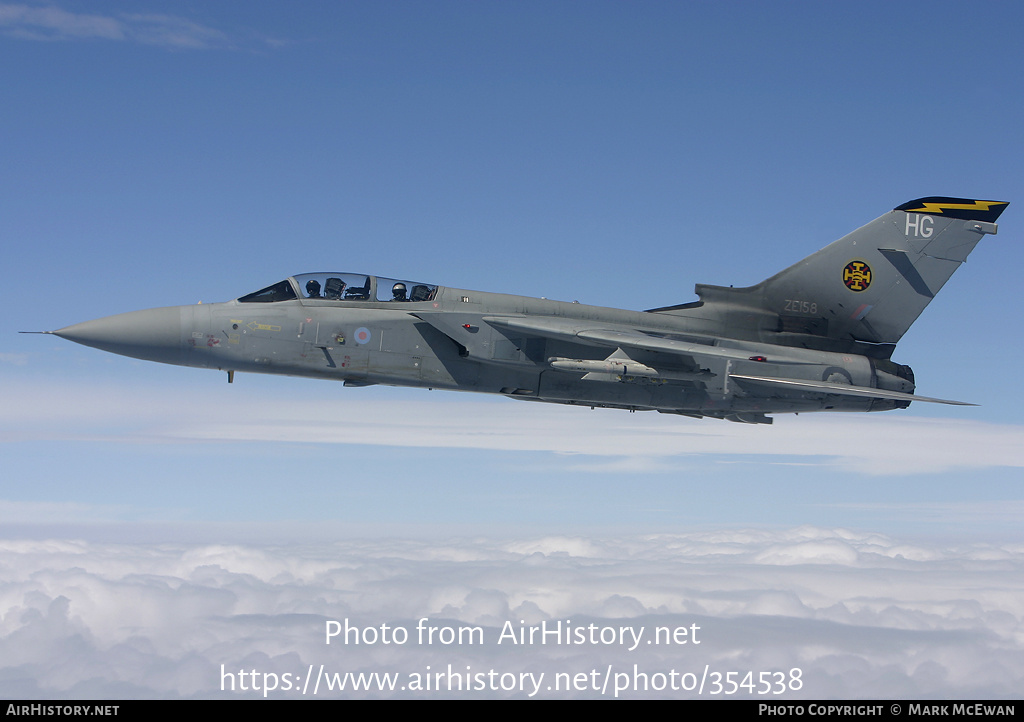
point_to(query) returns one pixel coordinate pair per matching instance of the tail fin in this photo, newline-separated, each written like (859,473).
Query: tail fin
(869,286)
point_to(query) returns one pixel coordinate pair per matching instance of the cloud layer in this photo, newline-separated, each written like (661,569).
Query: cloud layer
(860,615)
(870,444)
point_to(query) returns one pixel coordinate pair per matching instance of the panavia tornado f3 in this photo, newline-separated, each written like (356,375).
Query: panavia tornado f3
(817,336)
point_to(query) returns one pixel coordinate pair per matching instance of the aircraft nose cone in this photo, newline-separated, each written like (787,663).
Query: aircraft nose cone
(153,335)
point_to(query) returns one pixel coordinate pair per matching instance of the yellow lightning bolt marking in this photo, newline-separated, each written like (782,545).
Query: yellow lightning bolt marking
(937,208)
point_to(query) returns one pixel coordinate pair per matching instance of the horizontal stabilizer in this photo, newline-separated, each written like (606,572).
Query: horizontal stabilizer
(842,389)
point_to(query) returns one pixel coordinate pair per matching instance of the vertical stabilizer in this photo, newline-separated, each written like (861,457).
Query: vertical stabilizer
(872,284)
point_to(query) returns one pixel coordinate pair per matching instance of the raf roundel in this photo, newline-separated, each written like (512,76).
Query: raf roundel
(857,276)
(362,335)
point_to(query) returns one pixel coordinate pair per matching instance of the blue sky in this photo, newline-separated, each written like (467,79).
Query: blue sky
(161,154)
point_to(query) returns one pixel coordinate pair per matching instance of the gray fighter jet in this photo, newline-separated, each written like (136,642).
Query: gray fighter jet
(817,336)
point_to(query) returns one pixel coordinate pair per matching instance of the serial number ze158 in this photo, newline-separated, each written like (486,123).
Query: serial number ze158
(766,683)
(794,306)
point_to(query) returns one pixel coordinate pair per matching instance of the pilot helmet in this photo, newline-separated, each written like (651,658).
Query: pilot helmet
(313,288)
(398,289)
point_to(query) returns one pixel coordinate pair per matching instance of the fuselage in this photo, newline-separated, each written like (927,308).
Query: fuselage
(816,336)
(465,340)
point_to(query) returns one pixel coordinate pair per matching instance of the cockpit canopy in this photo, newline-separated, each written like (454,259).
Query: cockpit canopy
(342,287)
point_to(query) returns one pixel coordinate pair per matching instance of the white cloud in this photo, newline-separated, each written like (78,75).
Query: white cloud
(862,615)
(34,22)
(53,23)
(171,31)
(870,444)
